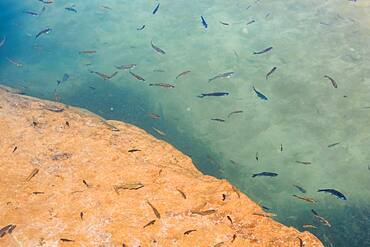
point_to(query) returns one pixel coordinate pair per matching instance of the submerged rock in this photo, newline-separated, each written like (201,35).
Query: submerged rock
(90,189)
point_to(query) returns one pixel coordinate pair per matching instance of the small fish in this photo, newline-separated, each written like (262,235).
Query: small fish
(265,214)
(333,82)
(155,9)
(126,66)
(82,215)
(301,243)
(140,28)
(134,150)
(158,70)
(334,192)
(204,213)
(165,85)
(221,76)
(85,183)
(322,219)
(263,51)
(104,76)
(307,199)
(257,156)
(157,49)
(14,149)
(271,71)
(334,144)
(134,186)
(17,64)
(105,7)
(266,208)
(229,218)
(215,94)
(281,148)
(46,1)
(189,231)
(218,244)
(150,223)
(87,52)
(156,212)
(64,79)
(265,174)
(159,131)
(309,226)
(7,230)
(32,174)
(300,188)
(182,74)
(234,112)
(38,192)
(71,9)
(66,240)
(250,22)
(259,94)
(303,162)
(153,115)
(92,88)
(224,23)
(30,13)
(137,76)
(2,42)
(203,21)
(218,119)
(45,31)
(182,193)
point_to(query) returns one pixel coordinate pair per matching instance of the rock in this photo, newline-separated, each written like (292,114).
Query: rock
(70,178)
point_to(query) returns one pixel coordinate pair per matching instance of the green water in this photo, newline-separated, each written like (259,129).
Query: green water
(304,113)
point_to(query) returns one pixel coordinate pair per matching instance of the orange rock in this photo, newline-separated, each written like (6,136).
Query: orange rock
(162,199)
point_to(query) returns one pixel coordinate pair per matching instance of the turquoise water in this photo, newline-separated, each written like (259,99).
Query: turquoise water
(304,113)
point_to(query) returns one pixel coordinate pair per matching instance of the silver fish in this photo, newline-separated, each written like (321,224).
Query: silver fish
(2,42)
(221,76)
(157,49)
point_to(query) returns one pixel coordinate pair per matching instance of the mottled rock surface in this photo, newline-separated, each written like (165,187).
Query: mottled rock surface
(70,178)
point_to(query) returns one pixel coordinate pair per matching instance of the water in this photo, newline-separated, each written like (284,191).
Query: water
(304,112)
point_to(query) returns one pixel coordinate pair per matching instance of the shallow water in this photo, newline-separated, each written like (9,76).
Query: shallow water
(304,113)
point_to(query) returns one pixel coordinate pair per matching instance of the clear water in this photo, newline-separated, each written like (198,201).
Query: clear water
(304,112)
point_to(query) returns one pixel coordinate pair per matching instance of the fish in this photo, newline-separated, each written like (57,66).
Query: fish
(158,70)
(30,13)
(153,115)
(150,223)
(204,213)
(85,183)
(303,162)
(265,174)
(300,188)
(259,94)
(133,186)
(155,9)
(87,52)
(182,193)
(32,174)
(218,119)
(215,94)
(224,23)
(17,64)
(309,226)
(218,244)
(7,230)
(64,79)
(165,85)
(137,76)
(257,156)
(14,149)
(126,66)
(221,76)
(53,108)
(66,240)
(321,219)
(334,192)
(159,131)
(140,28)
(203,21)
(104,76)
(157,49)
(133,150)
(265,208)
(71,9)
(156,212)
(82,215)
(2,42)
(44,31)
(234,112)
(265,214)
(263,51)
(182,74)
(307,199)
(250,22)
(281,147)
(189,231)
(334,144)
(38,192)
(301,243)
(270,72)
(333,82)
(46,1)
(105,7)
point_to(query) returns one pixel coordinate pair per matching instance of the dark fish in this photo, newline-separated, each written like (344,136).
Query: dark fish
(104,76)
(64,79)
(213,94)
(333,82)
(153,115)
(271,71)
(334,192)
(265,174)
(218,119)
(45,31)
(204,23)
(30,13)
(182,73)
(71,9)
(133,150)
(46,1)
(2,42)
(140,28)
(189,231)
(150,223)
(257,156)
(301,243)
(307,199)
(220,76)
(157,49)
(303,162)
(224,23)
(87,52)
(182,193)
(165,85)
(66,240)
(126,66)
(32,174)
(263,51)
(156,212)
(259,94)
(322,219)
(204,213)
(234,112)
(85,183)
(281,148)
(266,208)
(250,22)
(14,149)
(82,215)
(155,9)
(7,230)
(334,144)
(300,188)
(38,192)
